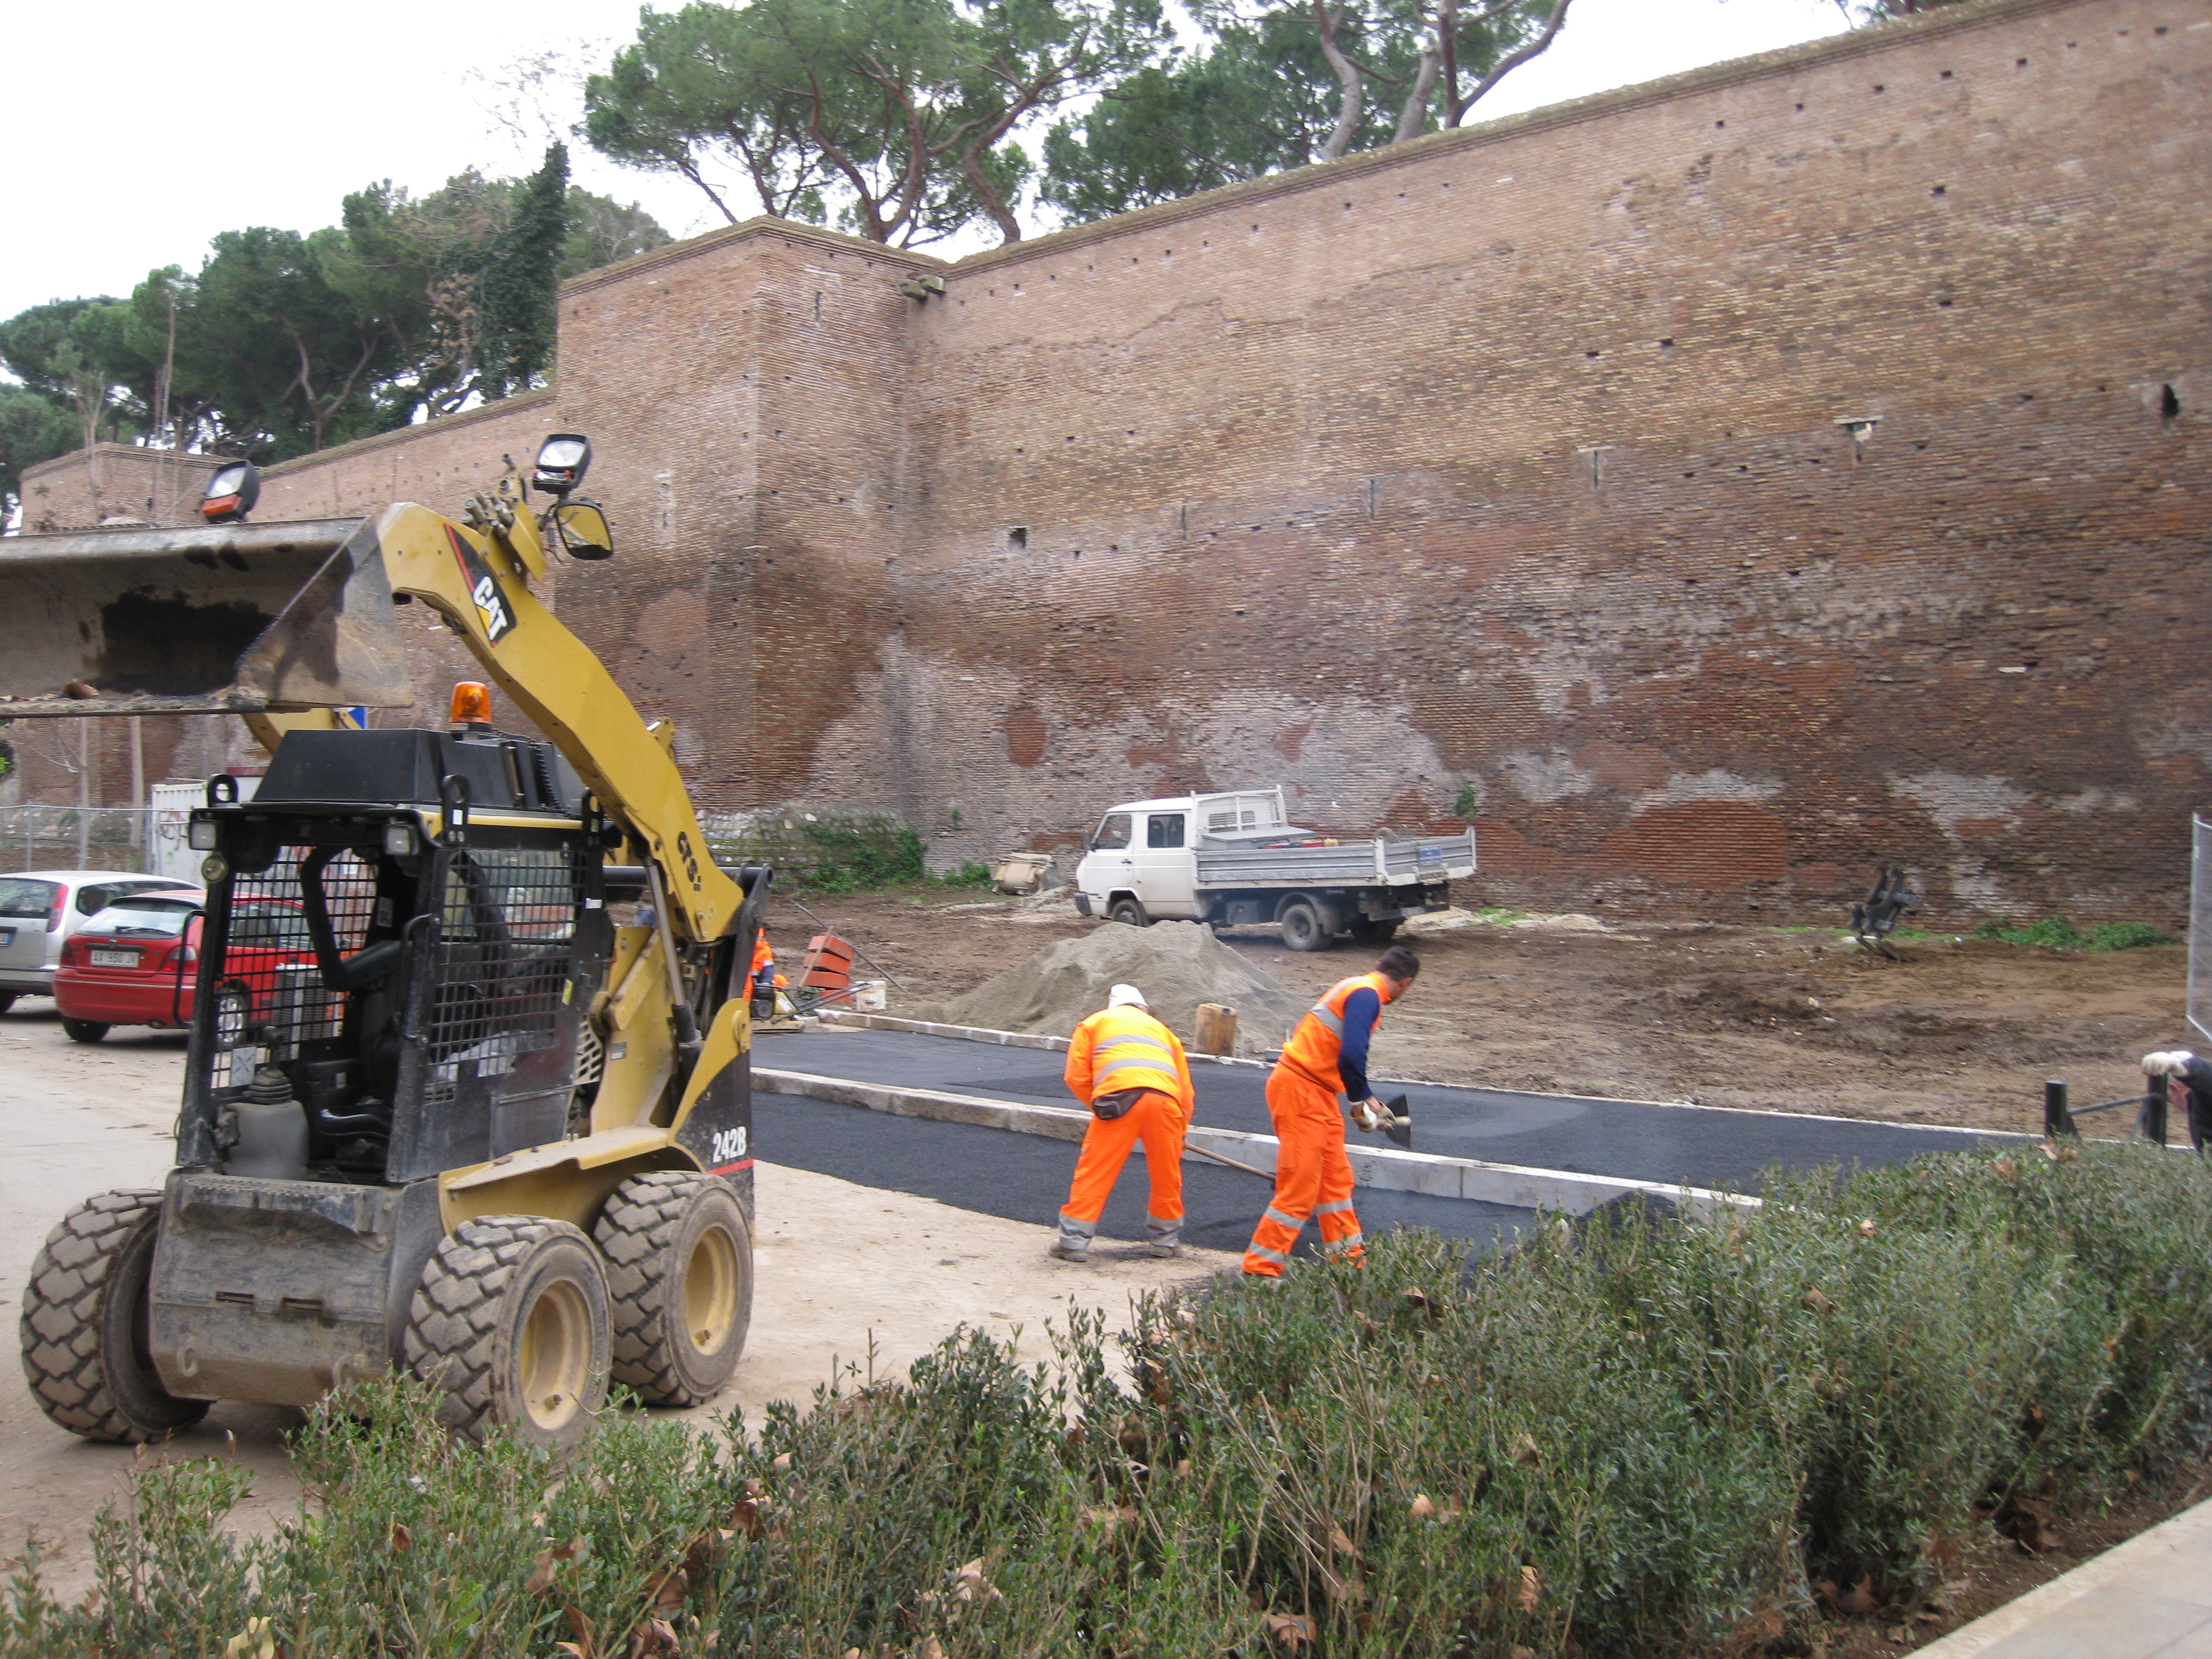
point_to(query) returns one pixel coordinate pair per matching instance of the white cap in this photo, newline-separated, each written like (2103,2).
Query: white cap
(1127,996)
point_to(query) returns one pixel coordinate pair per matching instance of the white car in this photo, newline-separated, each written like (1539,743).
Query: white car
(40,908)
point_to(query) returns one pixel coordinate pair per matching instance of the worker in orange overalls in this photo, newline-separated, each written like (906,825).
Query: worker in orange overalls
(766,980)
(1129,1070)
(1327,1056)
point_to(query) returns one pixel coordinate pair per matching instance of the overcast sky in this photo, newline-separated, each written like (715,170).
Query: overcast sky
(136,131)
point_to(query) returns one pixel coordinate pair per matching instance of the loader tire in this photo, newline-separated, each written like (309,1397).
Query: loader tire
(680,1271)
(83,1325)
(511,1320)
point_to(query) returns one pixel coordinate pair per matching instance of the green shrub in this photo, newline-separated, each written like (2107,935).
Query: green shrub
(2126,936)
(830,853)
(2061,935)
(1633,1435)
(850,860)
(970,876)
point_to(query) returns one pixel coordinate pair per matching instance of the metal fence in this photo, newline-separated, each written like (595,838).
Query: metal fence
(80,838)
(2200,927)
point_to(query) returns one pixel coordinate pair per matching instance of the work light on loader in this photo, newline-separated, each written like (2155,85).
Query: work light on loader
(231,493)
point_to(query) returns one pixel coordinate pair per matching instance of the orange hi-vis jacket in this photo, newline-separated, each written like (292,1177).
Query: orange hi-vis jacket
(1126,1047)
(763,955)
(1315,1045)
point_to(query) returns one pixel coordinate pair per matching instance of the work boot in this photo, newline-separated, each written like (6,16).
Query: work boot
(1064,1252)
(1165,1247)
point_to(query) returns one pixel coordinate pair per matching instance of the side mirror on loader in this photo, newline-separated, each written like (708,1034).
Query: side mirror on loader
(584,531)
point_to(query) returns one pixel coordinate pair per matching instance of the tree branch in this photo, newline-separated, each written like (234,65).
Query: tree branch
(1347,119)
(1417,101)
(1513,61)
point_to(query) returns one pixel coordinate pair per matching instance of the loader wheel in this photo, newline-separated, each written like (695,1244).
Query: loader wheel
(84,1031)
(1128,912)
(84,1324)
(1302,926)
(680,1270)
(511,1321)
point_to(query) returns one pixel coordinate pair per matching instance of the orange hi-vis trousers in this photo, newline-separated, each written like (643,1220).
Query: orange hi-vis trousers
(1157,1121)
(1313,1177)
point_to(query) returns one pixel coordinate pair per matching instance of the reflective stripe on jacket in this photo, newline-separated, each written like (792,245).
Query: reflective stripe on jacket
(1315,1045)
(1126,1047)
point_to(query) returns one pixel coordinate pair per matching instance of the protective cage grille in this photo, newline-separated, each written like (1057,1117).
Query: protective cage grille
(270,992)
(506,949)
(2200,928)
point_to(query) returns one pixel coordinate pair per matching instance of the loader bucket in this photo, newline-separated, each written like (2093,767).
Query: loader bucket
(214,618)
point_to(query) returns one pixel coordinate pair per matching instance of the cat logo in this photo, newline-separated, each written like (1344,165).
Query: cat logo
(492,609)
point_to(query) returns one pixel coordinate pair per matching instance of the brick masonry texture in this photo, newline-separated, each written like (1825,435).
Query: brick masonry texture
(1713,489)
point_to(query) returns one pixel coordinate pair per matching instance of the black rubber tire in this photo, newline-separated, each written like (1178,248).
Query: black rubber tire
(7,1000)
(1302,926)
(1365,931)
(1128,912)
(83,1325)
(84,1031)
(678,1255)
(470,1324)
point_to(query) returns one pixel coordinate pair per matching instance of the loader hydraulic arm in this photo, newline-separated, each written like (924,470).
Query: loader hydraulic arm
(477,580)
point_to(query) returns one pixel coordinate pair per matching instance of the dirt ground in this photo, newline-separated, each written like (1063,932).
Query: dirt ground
(840,1270)
(1801,1020)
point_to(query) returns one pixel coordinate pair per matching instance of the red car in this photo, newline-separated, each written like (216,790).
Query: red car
(135,963)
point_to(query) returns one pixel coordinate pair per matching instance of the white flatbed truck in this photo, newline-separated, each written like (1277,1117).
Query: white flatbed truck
(1235,859)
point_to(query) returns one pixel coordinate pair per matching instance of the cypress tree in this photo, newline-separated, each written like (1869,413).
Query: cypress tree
(521,283)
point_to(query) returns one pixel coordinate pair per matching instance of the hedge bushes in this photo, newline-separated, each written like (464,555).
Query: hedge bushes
(1630,1437)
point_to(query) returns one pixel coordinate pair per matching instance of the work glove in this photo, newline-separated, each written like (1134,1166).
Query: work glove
(1369,1114)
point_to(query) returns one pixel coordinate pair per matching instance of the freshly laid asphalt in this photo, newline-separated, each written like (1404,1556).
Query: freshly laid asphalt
(1024,1177)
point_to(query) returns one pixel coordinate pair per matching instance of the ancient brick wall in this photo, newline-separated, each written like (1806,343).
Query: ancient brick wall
(113,480)
(1719,487)
(1713,487)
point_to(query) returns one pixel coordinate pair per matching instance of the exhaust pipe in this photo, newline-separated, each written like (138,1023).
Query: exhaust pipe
(216,619)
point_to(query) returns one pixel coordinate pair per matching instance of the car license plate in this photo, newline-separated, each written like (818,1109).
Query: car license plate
(7,936)
(114,958)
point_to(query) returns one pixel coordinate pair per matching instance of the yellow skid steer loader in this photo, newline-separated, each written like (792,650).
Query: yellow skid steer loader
(439,1112)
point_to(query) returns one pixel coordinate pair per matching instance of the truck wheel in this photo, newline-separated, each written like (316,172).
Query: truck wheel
(1128,912)
(1302,926)
(7,1000)
(84,1031)
(1374,933)
(680,1276)
(84,1324)
(511,1321)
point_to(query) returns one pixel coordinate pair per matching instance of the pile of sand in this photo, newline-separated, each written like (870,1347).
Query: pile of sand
(1176,964)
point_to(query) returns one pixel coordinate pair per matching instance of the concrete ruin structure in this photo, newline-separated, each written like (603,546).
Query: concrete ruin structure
(1711,489)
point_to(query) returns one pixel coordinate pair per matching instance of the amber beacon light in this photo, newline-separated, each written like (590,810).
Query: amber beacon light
(472,703)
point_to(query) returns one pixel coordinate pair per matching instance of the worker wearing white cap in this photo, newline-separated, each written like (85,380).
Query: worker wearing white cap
(1129,1070)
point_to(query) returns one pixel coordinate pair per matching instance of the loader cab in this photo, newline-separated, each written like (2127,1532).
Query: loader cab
(444,895)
